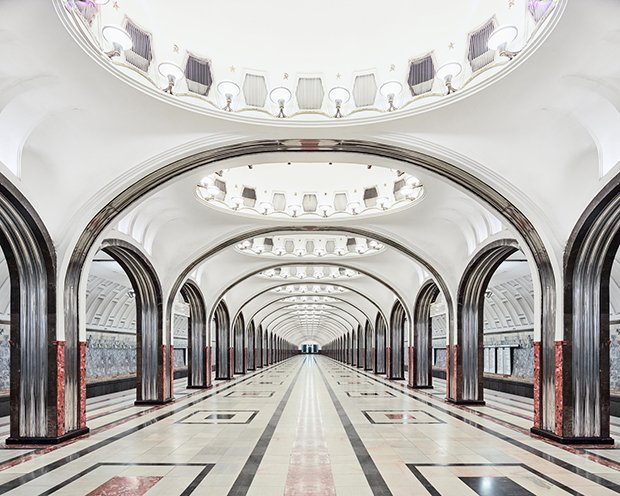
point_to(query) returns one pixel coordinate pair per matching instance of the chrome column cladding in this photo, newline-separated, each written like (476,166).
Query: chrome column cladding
(258,346)
(380,337)
(361,349)
(369,346)
(470,318)
(589,258)
(197,339)
(397,341)
(251,336)
(423,334)
(239,344)
(222,341)
(149,318)
(31,263)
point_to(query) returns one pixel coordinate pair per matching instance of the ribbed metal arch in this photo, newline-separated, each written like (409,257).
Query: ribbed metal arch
(420,370)
(149,319)
(589,257)
(395,351)
(198,359)
(470,325)
(223,363)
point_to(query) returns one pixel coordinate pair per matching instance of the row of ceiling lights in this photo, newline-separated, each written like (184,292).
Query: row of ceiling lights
(315,289)
(411,190)
(258,247)
(281,96)
(317,273)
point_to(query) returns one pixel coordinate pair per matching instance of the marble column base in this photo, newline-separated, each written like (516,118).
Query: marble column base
(48,440)
(571,440)
(466,402)
(153,402)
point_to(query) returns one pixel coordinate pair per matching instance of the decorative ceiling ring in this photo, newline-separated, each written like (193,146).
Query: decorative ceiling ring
(339,301)
(162,62)
(454,175)
(304,191)
(313,272)
(306,246)
(309,289)
(353,292)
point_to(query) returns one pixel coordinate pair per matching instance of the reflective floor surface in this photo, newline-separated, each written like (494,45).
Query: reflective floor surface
(309,426)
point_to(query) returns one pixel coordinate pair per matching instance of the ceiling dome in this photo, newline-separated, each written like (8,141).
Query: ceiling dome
(321,60)
(310,190)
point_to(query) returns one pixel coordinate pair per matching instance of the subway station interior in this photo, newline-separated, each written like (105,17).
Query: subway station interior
(333,248)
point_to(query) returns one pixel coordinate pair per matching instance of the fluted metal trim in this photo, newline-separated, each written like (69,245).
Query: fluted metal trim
(470,318)
(222,341)
(197,339)
(149,318)
(423,334)
(589,256)
(239,344)
(31,259)
(251,336)
(368,345)
(397,342)
(380,343)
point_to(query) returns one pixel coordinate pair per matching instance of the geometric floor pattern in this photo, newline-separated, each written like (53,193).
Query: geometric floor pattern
(318,428)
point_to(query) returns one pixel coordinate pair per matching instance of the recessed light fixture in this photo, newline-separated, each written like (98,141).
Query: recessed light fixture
(447,73)
(118,38)
(172,72)
(228,90)
(390,90)
(500,38)
(281,96)
(339,96)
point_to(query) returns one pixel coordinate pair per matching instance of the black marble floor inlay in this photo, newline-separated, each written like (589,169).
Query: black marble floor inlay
(220,416)
(495,486)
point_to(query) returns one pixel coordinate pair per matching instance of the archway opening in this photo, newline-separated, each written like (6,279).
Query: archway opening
(111,320)
(508,328)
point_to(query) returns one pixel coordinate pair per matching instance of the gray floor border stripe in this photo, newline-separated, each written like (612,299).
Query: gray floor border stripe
(244,480)
(373,476)
(530,449)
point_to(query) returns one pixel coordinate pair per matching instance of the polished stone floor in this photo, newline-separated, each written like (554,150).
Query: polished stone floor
(309,426)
